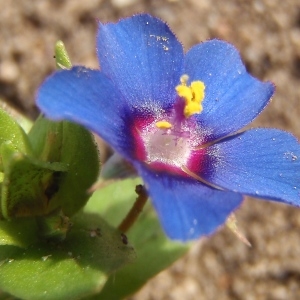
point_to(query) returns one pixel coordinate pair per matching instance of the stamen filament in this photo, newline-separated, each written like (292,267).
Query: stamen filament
(195,176)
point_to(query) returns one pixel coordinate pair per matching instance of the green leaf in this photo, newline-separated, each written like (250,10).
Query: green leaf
(19,118)
(74,269)
(155,251)
(27,183)
(11,131)
(5,296)
(70,144)
(19,232)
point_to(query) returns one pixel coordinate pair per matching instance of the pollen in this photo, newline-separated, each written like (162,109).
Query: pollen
(193,96)
(163,125)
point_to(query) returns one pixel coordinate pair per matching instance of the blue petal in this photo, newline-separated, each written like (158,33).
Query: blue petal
(186,208)
(264,163)
(233,98)
(143,58)
(89,98)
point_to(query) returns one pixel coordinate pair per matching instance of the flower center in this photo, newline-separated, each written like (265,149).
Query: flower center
(168,147)
(167,142)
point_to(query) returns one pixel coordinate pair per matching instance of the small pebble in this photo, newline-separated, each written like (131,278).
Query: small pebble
(122,3)
(9,71)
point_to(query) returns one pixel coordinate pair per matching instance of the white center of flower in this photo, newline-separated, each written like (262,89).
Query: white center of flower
(165,146)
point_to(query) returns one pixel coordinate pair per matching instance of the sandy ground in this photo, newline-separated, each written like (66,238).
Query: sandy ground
(267,32)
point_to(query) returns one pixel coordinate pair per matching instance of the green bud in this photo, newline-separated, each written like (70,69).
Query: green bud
(61,56)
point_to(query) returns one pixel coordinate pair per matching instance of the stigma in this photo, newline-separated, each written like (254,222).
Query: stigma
(193,95)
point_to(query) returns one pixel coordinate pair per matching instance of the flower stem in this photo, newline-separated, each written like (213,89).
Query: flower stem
(136,208)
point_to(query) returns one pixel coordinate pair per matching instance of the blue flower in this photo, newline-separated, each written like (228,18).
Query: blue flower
(176,119)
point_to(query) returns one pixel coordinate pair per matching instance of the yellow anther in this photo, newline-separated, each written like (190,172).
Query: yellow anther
(163,125)
(193,96)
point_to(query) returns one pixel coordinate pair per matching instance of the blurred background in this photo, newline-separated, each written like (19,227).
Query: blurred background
(267,33)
